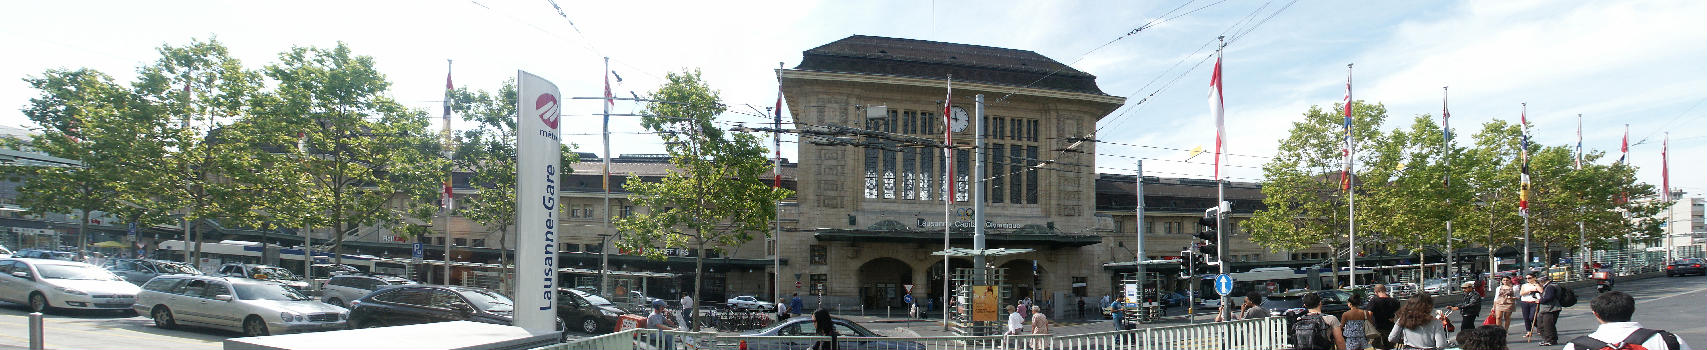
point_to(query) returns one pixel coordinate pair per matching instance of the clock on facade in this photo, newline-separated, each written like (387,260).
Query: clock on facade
(959,119)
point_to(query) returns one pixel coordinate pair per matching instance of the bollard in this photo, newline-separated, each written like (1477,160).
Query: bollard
(36,334)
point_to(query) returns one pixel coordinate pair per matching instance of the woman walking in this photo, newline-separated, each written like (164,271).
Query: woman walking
(1354,324)
(1417,327)
(1505,300)
(1529,298)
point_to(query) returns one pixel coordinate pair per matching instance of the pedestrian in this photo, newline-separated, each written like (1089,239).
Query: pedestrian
(1382,307)
(826,327)
(1615,310)
(1417,326)
(1527,296)
(1016,320)
(1316,330)
(660,320)
(1039,326)
(781,310)
(1505,301)
(687,311)
(1252,309)
(1547,311)
(1354,323)
(1488,337)
(1081,307)
(795,303)
(1114,313)
(913,310)
(1470,309)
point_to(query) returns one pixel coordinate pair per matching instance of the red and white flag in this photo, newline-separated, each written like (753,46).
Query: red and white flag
(1217,107)
(1665,169)
(609,98)
(1624,146)
(948,140)
(1348,148)
(445,200)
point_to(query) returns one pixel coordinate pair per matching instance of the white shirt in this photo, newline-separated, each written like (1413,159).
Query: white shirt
(687,302)
(1016,322)
(1612,332)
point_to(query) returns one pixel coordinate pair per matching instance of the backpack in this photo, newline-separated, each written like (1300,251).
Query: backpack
(1567,298)
(1312,333)
(1632,342)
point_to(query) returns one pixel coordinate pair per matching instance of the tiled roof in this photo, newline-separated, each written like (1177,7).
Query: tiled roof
(936,60)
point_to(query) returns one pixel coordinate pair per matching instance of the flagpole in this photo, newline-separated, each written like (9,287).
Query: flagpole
(1582,232)
(1351,194)
(948,196)
(1523,122)
(1446,135)
(1223,245)
(776,182)
(448,172)
(604,245)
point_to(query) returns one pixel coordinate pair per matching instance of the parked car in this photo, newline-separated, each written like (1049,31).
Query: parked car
(1686,266)
(139,271)
(254,307)
(803,326)
(638,303)
(49,284)
(586,312)
(5,253)
(45,254)
(265,272)
(341,289)
(1173,299)
(1333,302)
(1436,286)
(748,302)
(421,303)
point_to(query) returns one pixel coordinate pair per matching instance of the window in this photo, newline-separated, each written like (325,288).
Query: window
(627,210)
(480,242)
(461,242)
(1018,129)
(927,173)
(929,120)
(1016,172)
(820,282)
(995,157)
(962,174)
(1080,287)
(1031,130)
(889,171)
(409,296)
(444,299)
(1149,227)
(997,127)
(1031,174)
(820,255)
(907,171)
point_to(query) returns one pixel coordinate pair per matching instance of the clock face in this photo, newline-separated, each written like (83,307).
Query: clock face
(959,119)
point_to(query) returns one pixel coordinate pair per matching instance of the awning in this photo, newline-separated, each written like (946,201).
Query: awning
(985,252)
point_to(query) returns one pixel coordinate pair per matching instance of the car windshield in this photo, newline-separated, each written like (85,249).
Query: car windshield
(258,291)
(596,300)
(276,273)
(488,301)
(75,272)
(172,267)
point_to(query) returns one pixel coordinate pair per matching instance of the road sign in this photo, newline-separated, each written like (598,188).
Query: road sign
(1223,284)
(796,284)
(418,251)
(909,288)
(907,299)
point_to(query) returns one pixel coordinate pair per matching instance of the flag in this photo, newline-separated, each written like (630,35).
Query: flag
(1218,108)
(1523,155)
(1345,173)
(609,98)
(776,169)
(948,141)
(1624,146)
(445,200)
(1446,135)
(1579,141)
(1665,170)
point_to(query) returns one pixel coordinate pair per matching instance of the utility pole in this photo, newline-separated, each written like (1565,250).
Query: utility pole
(1351,188)
(604,247)
(1138,226)
(978,190)
(307,239)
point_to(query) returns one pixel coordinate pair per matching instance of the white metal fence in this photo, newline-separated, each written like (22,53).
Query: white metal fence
(1259,334)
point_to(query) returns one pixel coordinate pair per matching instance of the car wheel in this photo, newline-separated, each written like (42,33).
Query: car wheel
(163,318)
(338,302)
(590,325)
(254,326)
(38,303)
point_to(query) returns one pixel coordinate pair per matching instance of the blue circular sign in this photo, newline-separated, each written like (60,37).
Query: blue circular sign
(907,299)
(1223,284)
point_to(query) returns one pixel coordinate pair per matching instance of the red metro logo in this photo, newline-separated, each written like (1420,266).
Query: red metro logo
(546,104)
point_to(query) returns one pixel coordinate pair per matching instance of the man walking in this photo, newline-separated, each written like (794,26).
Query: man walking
(1614,310)
(1470,308)
(1381,309)
(687,311)
(1547,312)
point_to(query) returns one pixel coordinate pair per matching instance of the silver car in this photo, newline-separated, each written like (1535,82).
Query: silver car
(139,271)
(340,290)
(254,307)
(50,284)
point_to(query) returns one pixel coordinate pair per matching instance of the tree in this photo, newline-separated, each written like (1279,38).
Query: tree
(366,161)
(714,194)
(487,151)
(82,116)
(1302,195)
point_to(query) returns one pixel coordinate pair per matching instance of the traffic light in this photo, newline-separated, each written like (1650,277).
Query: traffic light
(1185,257)
(1209,235)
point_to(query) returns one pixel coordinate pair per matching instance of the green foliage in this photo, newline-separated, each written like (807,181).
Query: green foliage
(714,194)
(487,151)
(82,115)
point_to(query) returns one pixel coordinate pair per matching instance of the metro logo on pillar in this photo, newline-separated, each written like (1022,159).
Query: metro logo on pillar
(538,151)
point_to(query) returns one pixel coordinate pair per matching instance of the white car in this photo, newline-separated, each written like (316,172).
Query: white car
(5,253)
(51,284)
(254,307)
(748,302)
(340,290)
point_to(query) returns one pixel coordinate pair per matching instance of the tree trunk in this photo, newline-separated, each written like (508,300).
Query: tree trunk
(82,234)
(698,282)
(1334,262)
(504,260)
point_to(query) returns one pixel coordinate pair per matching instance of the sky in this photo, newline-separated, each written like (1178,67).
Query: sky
(1638,63)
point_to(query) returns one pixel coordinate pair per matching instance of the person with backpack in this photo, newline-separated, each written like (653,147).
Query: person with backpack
(1417,327)
(1381,309)
(1316,330)
(1617,331)
(1547,310)
(1354,324)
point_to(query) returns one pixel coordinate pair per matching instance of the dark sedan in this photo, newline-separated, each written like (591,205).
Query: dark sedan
(1333,302)
(1687,266)
(803,327)
(585,312)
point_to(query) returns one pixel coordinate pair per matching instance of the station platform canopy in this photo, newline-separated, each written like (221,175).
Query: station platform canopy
(985,252)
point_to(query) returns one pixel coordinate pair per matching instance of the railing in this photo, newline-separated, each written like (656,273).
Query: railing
(1259,334)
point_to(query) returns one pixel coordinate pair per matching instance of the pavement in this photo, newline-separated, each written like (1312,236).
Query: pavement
(100,331)
(1675,304)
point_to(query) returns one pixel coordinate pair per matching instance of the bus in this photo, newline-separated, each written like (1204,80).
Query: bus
(290,258)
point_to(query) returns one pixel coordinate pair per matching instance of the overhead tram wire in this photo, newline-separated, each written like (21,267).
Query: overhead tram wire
(1174,149)
(1147,25)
